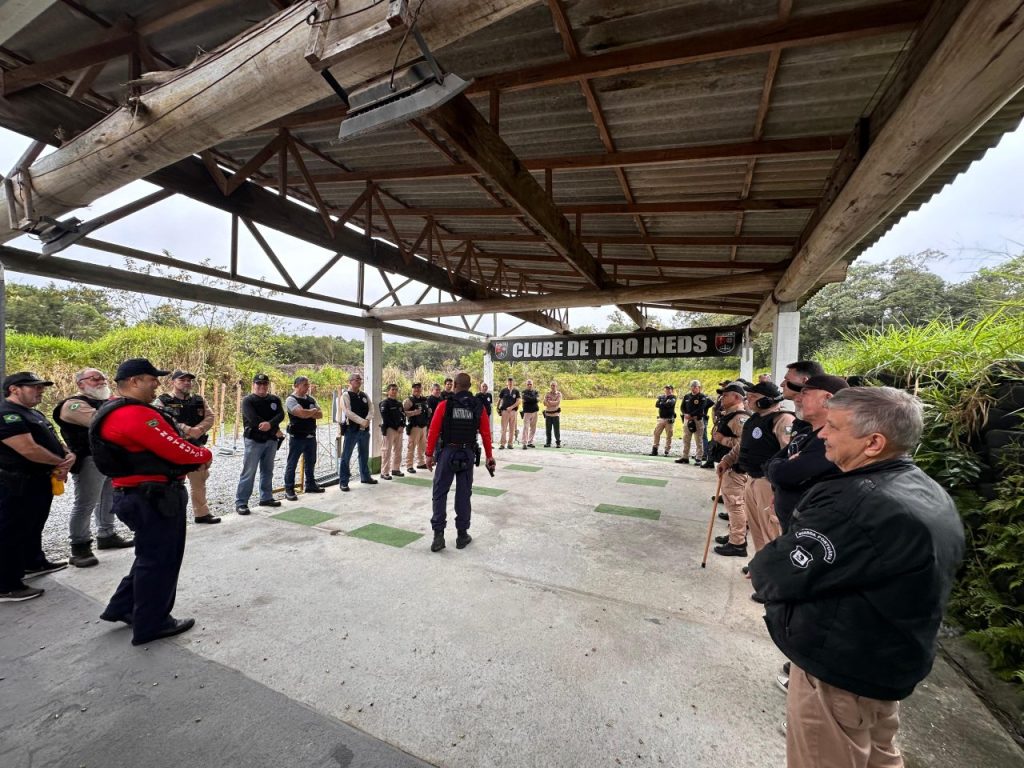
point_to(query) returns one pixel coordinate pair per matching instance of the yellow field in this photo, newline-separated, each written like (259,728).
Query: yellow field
(620,415)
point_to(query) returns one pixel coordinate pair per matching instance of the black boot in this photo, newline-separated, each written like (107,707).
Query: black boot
(438,543)
(289,493)
(114,541)
(654,451)
(731,550)
(463,540)
(82,556)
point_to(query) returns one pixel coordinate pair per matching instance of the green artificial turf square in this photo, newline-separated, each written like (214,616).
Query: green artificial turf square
(615,509)
(304,516)
(521,467)
(643,481)
(488,491)
(422,481)
(385,534)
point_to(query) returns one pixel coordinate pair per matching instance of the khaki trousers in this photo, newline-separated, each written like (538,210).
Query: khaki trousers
(666,426)
(391,452)
(827,727)
(416,447)
(197,490)
(698,435)
(733,485)
(508,426)
(529,428)
(759,501)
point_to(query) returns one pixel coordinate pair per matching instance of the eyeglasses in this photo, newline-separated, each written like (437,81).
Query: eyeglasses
(101,379)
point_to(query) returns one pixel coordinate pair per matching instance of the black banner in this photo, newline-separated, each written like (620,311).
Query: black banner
(691,342)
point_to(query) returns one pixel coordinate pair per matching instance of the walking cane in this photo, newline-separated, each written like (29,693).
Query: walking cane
(711,525)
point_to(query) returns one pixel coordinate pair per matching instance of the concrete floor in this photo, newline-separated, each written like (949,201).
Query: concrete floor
(559,637)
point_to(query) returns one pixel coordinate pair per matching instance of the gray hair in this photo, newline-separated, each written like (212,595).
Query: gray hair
(890,412)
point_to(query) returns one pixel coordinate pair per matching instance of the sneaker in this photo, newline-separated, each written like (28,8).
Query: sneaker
(18,595)
(371,481)
(410,471)
(113,541)
(242,511)
(731,550)
(438,543)
(463,540)
(290,496)
(683,460)
(270,503)
(45,568)
(783,682)
(344,487)
(396,473)
(385,477)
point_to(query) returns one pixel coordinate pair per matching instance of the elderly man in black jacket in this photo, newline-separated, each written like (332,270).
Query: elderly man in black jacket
(856,588)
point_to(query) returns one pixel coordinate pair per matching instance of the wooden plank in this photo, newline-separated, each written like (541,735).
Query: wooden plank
(485,150)
(623,209)
(760,38)
(25,76)
(972,69)
(807,145)
(660,291)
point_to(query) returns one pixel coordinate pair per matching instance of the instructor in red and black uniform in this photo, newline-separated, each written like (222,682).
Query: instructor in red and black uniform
(140,447)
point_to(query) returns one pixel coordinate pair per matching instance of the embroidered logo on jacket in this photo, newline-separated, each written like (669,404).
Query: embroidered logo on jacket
(822,539)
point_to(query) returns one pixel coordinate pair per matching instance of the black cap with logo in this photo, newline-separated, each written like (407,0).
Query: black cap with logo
(137,366)
(23,379)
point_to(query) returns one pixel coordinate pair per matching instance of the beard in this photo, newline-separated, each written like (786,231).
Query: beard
(98,393)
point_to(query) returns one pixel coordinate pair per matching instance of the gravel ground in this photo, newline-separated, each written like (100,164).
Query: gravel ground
(226,469)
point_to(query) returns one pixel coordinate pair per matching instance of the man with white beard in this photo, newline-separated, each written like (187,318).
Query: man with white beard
(94,494)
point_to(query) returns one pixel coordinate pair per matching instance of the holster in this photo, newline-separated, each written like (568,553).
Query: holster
(166,498)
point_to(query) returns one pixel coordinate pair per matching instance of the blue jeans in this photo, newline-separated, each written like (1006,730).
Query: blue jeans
(305,446)
(261,456)
(94,497)
(355,438)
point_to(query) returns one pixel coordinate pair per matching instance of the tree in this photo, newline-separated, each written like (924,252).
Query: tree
(72,313)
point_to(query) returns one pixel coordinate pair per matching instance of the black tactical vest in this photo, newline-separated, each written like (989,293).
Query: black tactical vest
(39,428)
(391,414)
(115,461)
(725,425)
(666,407)
(758,443)
(359,404)
(423,420)
(189,412)
(461,420)
(75,435)
(486,400)
(302,426)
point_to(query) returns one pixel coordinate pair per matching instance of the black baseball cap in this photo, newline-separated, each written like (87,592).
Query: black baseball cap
(766,388)
(24,378)
(180,374)
(137,366)
(417,384)
(828,383)
(261,378)
(732,386)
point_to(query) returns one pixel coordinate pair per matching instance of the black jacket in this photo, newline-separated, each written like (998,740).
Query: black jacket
(793,470)
(856,589)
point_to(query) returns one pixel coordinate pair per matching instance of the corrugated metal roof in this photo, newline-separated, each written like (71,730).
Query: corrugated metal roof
(819,90)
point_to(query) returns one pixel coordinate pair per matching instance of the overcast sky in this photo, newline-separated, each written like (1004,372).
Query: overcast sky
(977,221)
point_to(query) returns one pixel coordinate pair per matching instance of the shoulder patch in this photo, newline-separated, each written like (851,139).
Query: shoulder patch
(829,555)
(11,418)
(74,406)
(152,423)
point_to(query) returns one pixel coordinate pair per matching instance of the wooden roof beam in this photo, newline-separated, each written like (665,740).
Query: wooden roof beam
(758,38)
(962,69)
(807,145)
(772,241)
(665,291)
(624,209)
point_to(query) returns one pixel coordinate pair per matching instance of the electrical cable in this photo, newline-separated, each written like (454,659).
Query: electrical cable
(314,12)
(405,37)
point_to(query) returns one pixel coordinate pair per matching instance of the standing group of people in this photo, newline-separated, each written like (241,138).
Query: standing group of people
(511,399)
(856,552)
(694,412)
